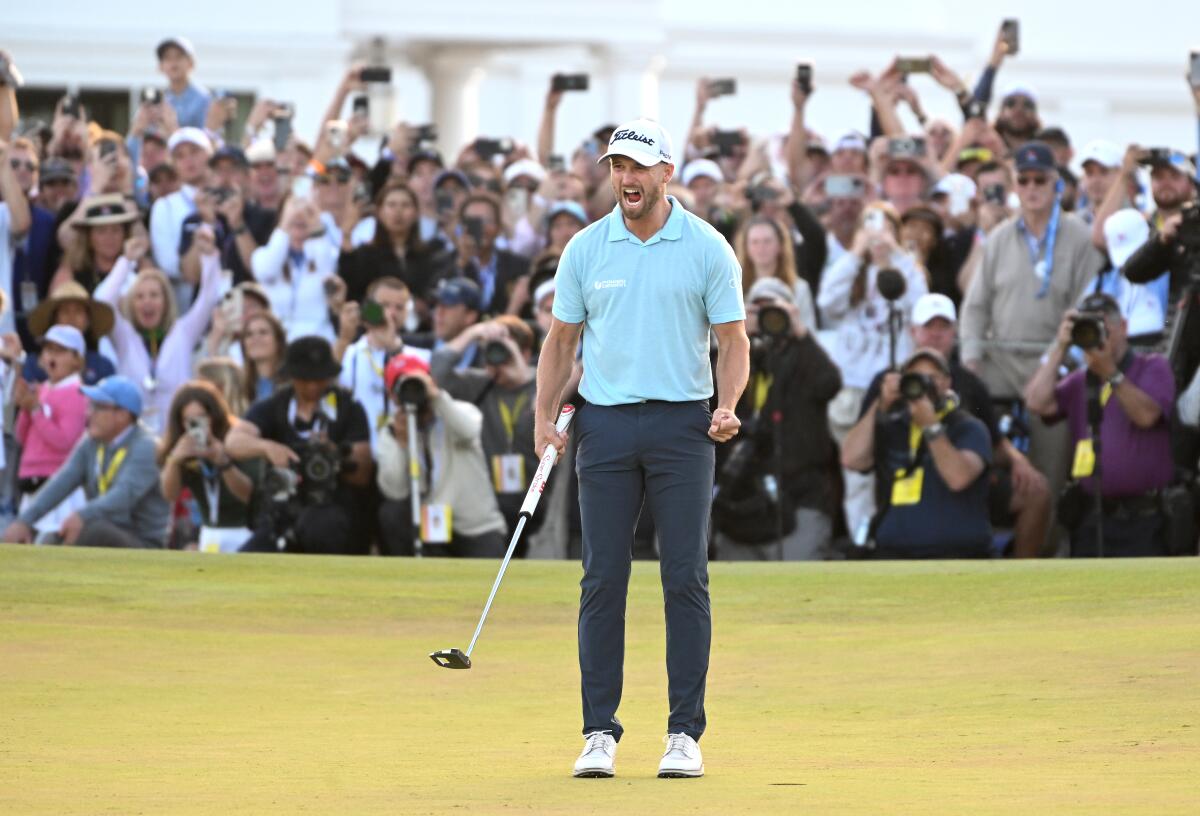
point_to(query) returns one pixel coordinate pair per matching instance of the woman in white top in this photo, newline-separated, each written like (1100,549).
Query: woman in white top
(850,300)
(765,251)
(154,346)
(293,267)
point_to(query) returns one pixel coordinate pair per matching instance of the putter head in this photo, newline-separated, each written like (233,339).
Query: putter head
(451,659)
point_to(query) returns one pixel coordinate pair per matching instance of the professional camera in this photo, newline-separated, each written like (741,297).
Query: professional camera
(320,463)
(914,385)
(1088,330)
(495,353)
(1188,233)
(410,391)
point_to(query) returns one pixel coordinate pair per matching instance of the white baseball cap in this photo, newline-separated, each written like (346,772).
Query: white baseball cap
(851,141)
(260,152)
(524,167)
(959,189)
(1103,152)
(933,305)
(190,135)
(1125,231)
(66,336)
(702,168)
(643,140)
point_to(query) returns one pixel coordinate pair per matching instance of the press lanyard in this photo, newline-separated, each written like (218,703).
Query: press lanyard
(916,434)
(105,476)
(509,415)
(762,387)
(1041,252)
(326,410)
(212,491)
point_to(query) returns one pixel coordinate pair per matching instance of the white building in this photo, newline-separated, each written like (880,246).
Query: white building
(477,67)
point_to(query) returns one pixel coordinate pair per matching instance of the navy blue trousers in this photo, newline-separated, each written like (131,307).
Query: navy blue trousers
(658,454)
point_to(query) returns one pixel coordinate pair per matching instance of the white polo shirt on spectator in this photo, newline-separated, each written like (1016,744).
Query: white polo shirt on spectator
(647,308)
(166,230)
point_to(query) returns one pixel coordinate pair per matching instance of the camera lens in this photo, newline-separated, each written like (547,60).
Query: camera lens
(913,386)
(496,353)
(1087,332)
(774,321)
(411,391)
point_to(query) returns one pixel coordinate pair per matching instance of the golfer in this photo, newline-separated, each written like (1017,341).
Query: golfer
(644,285)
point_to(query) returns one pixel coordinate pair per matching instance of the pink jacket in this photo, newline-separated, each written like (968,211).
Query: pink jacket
(48,434)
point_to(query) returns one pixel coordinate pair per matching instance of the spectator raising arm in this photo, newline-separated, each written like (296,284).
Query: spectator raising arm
(8,106)
(797,141)
(19,216)
(545,144)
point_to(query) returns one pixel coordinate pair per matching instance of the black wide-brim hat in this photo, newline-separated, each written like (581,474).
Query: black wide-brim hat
(309,358)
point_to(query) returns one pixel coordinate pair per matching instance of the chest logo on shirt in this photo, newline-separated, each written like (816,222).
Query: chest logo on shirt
(610,284)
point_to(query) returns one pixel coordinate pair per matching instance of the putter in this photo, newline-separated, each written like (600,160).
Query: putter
(455,658)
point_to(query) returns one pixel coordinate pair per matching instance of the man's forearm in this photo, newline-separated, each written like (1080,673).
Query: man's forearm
(545,145)
(241,445)
(1139,406)
(1039,393)
(553,371)
(859,445)
(733,371)
(958,469)
(8,112)
(797,151)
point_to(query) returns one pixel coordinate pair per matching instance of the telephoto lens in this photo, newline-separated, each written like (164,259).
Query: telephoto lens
(1088,331)
(411,391)
(774,321)
(495,353)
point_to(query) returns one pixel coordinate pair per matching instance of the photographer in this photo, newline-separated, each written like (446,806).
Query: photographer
(775,485)
(1129,396)
(193,456)
(365,360)
(293,266)
(930,459)
(454,478)
(310,424)
(479,259)
(504,392)
(1016,487)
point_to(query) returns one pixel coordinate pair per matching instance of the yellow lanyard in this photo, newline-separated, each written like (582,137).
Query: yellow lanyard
(1105,394)
(371,359)
(762,387)
(105,476)
(509,415)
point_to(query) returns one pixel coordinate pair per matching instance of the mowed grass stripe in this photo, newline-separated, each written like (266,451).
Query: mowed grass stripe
(184,683)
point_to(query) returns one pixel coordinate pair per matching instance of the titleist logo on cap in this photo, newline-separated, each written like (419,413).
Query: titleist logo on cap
(632,135)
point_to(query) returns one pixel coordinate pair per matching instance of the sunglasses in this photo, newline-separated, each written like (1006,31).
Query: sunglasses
(1019,101)
(1036,181)
(17,164)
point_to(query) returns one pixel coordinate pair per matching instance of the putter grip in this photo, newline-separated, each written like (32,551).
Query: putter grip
(546,464)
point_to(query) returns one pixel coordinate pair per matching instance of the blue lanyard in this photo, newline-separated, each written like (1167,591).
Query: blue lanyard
(1041,253)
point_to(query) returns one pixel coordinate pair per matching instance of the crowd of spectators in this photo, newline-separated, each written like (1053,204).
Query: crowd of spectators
(976,340)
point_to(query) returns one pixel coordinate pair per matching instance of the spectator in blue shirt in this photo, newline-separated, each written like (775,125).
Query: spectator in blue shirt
(177,60)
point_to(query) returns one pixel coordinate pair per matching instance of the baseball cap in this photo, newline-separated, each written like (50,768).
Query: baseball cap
(772,288)
(116,390)
(261,151)
(1102,152)
(959,189)
(1035,156)
(66,336)
(457,175)
(234,154)
(1177,160)
(702,168)
(524,167)
(56,170)
(571,208)
(190,135)
(456,291)
(182,43)
(1100,302)
(932,355)
(401,366)
(643,140)
(816,143)
(419,156)
(1020,89)
(851,141)
(1124,231)
(543,291)
(931,305)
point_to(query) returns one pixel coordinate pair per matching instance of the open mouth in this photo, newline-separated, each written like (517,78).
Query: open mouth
(633,197)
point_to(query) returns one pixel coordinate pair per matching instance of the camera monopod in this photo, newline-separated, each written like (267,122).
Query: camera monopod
(892,286)
(414,476)
(454,658)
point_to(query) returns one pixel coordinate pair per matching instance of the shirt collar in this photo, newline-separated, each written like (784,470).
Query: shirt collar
(122,437)
(66,381)
(671,231)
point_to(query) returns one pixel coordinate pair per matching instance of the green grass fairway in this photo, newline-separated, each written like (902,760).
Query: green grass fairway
(154,683)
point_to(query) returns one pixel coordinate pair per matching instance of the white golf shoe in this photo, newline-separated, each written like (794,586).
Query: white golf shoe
(682,758)
(596,761)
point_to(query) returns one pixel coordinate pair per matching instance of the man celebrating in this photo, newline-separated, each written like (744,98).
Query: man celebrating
(644,285)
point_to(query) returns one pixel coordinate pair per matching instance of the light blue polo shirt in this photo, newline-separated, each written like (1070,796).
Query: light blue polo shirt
(646,308)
